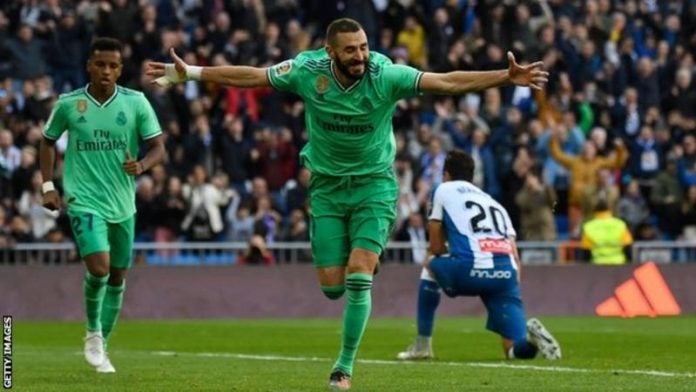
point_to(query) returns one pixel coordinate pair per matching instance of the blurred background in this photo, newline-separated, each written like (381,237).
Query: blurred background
(621,75)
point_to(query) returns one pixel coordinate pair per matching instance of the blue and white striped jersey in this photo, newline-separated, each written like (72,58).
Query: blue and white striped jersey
(478,228)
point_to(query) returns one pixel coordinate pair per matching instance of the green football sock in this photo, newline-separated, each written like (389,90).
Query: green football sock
(355,316)
(94,288)
(113,300)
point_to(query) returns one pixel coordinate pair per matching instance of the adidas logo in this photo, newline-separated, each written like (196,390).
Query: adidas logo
(81,119)
(645,294)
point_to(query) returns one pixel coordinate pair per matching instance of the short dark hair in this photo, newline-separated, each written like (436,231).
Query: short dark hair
(459,165)
(343,25)
(106,44)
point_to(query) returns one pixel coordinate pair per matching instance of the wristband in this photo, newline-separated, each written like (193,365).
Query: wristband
(47,187)
(193,72)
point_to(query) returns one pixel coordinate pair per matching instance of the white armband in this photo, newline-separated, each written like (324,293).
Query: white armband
(193,72)
(47,187)
(172,76)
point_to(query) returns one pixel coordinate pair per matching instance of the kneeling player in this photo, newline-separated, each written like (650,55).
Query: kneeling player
(482,261)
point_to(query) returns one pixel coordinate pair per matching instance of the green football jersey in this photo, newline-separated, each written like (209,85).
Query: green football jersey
(350,129)
(99,135)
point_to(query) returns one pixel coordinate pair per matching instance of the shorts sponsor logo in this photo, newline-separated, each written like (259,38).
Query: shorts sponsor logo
(493,245)
(283,68)
(490,274)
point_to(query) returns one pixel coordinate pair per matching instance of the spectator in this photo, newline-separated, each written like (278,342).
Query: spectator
(666,197)
(66,47)
(257,253)
(240,222)
(267,219)
(22,177)
(606,237)
(584,169)
(171,210)
(234,152)
(688,216)
(646,157)
(277,158)
(605,189)
(146,204)
(296,230)
(536,202)
(203,221)
(633,208)
(407,203)
(27,54)
(297,194)
(412,37)
(31,209)
(413,232)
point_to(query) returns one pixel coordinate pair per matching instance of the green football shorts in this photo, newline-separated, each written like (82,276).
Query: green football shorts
(94,234)
(350,212)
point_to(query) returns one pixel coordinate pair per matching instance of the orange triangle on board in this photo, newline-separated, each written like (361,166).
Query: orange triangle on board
(609,308)
(656,290)
(632,299)
(646,294)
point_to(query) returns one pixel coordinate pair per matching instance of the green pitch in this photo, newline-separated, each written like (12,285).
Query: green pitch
(296,355)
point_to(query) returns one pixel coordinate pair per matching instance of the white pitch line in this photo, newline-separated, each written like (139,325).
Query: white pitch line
(646,372)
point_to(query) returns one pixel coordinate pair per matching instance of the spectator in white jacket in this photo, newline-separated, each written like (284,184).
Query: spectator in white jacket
(204,222)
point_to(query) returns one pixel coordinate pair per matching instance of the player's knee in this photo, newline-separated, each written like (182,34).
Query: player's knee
(333,292)
(98,271)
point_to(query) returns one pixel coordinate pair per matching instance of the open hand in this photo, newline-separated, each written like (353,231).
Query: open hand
(532,75)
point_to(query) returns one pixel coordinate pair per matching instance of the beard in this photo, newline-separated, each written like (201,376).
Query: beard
(344,68)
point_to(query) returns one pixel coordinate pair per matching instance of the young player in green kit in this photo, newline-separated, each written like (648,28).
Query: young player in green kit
(350,95)
(105,124)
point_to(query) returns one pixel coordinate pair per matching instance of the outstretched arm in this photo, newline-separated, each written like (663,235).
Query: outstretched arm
(231,75)
(460,82)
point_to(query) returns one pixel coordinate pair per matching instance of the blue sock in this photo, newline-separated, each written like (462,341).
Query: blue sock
(524,349)
(428,300)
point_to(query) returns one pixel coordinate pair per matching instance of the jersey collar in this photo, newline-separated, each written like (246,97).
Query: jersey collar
(335,78)
(94,101)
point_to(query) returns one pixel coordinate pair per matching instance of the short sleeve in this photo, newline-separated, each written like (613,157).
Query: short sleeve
(437,205)
(284,76)
(401,81)
(508,224)
(56,123)
(148,125)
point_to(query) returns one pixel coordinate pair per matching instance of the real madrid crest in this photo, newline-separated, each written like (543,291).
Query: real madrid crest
(81,105)
(322,85)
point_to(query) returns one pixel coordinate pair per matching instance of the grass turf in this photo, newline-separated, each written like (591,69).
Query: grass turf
(297,355)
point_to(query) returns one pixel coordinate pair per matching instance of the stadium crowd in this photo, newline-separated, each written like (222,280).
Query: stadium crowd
(617,121)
